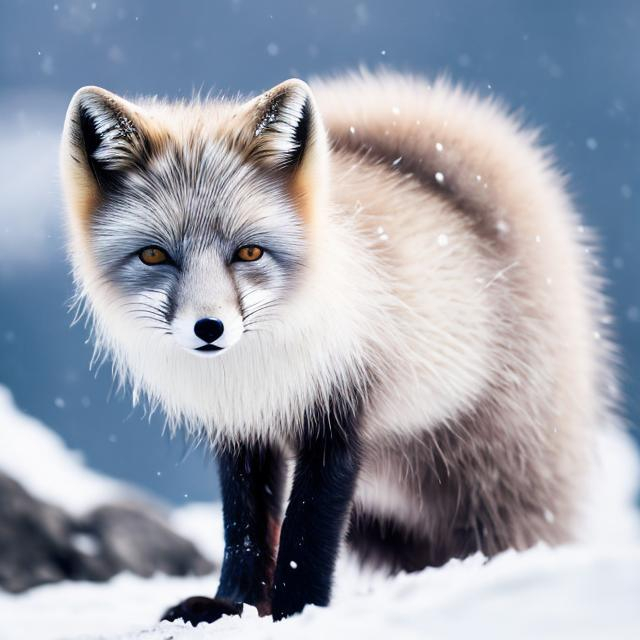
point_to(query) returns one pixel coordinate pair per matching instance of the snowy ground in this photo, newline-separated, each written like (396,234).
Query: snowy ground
(586,590)
(573,592)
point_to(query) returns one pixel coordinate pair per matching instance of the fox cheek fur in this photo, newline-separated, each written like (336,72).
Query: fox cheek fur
(417,333)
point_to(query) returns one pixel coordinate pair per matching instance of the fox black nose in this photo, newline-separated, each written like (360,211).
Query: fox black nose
(208,329)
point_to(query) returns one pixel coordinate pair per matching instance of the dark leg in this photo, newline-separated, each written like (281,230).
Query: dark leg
(318,512)
(251,481)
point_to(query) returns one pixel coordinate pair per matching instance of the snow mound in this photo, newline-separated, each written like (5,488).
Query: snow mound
(38,459)
(611,513)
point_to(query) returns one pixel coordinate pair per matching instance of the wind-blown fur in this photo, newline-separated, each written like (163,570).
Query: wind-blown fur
(425,274)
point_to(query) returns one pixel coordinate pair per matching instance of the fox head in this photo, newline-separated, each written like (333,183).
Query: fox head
(191,223)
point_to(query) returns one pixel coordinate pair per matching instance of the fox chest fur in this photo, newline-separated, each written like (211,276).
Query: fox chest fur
(400,252)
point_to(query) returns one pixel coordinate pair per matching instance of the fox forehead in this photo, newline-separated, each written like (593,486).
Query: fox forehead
(200,182)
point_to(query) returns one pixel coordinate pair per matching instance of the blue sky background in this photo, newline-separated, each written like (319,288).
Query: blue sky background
(572,67)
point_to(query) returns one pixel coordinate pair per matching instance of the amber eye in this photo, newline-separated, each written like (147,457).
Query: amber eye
(249,253)
(153,255)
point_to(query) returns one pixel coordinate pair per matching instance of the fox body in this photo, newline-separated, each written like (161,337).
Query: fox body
(381,279)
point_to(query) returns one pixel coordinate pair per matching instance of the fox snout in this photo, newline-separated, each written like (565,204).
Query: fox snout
(208,335)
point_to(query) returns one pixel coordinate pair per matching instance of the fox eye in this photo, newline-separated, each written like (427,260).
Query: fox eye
(153,255)
(249,253)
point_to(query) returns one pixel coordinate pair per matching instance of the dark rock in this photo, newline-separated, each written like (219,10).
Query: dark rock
(34,540)
(134,538)
(40,543)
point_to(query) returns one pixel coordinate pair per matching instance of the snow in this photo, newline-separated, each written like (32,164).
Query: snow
(36,457)
(577,591)
(585,590)
(443,240)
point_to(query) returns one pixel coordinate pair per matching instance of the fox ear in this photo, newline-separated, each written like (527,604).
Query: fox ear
(104,135)
(286,135)
(286,125)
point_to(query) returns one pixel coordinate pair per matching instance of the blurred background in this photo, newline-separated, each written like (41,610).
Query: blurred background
(571,67)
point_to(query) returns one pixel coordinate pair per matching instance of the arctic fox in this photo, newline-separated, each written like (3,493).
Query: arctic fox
(378,279)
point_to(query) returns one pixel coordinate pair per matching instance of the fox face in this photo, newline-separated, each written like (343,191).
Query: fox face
(196,225)
(193,253)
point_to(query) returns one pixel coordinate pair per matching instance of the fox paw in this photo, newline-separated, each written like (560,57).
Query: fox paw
(200,609)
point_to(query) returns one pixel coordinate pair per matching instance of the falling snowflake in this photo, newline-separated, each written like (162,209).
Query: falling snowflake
(592,144)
